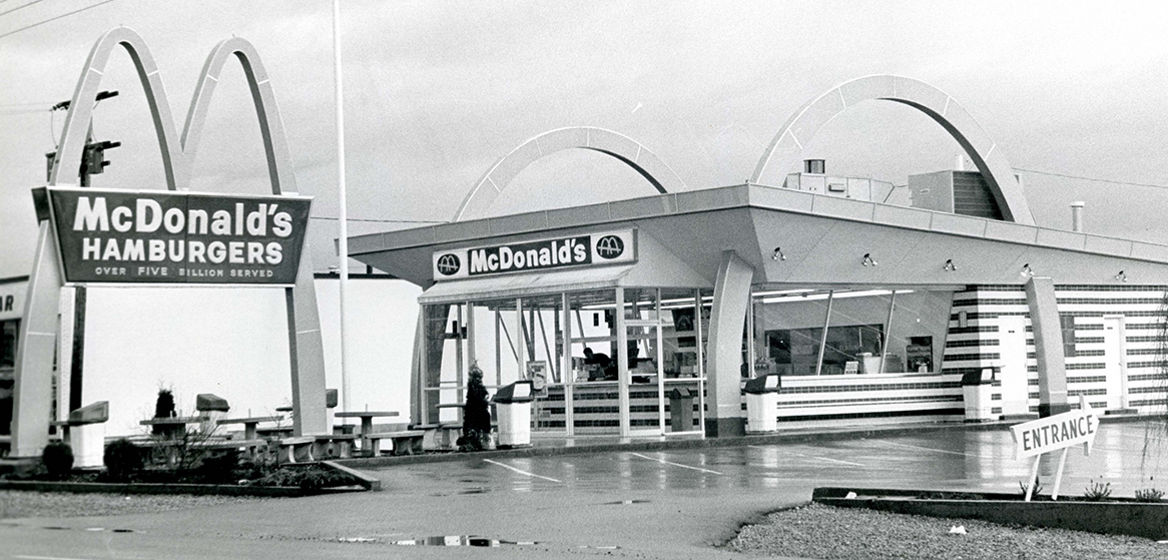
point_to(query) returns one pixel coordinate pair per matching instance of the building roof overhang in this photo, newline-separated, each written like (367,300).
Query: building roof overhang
(822,240)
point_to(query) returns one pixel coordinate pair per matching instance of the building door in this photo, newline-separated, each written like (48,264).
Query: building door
(645,377)
(1115,363)
(1015,384)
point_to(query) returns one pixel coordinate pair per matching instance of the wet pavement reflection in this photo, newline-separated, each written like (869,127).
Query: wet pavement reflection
(1126,454)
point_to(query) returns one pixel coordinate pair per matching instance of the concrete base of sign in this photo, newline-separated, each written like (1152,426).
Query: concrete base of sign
(1114,517)
(725,427)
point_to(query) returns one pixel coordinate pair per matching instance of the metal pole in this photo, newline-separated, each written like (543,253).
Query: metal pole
(343,217)
(568,376)
(1030,486)
(823,337)
(700,366)
(1058,476)
(622,366)
(887,330)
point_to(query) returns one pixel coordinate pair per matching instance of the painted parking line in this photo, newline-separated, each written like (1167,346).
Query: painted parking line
(934,450)
(805,456)
(522,472)
(670,463)
(25,557)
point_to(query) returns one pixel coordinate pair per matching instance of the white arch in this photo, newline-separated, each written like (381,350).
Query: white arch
(786,149)
(607,142)
(35,347)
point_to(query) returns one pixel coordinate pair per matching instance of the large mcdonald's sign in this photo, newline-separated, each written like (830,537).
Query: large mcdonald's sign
(122,236)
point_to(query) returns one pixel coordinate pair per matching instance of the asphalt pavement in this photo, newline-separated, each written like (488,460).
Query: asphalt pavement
(631,503)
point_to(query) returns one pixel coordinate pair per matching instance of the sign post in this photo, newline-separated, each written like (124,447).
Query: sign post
(1061,431)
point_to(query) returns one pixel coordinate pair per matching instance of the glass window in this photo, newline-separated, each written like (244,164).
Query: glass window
(8,344)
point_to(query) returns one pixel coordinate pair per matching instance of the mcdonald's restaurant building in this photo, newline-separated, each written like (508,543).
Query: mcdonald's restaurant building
(868,311)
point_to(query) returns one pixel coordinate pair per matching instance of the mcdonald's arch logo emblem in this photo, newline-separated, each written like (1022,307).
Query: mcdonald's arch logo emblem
(610,247)
(449,264)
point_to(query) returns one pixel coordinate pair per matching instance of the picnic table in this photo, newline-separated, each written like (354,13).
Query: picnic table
(368,441)
(173,427)
(250,423)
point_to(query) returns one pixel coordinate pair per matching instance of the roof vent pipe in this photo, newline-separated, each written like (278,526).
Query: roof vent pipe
(1077,215)
(816,166)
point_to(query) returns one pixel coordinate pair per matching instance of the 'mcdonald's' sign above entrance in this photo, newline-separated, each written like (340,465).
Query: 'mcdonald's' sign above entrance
(176,237)
(588,249)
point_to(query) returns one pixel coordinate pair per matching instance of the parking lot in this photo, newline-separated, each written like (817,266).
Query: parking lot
(629,503)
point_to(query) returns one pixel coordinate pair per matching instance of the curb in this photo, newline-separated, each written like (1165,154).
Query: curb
(1118,516)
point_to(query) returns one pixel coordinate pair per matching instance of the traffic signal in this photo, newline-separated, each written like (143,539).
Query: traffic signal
(93,161)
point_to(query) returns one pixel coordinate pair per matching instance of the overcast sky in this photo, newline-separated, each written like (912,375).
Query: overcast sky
(435,92)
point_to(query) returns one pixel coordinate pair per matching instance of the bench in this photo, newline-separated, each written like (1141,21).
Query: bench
(333,446)
(405,442)
(440,437)
(295,449)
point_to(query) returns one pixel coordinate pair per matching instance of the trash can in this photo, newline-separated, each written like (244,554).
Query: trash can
(680,409)
(86,434)
(513,404)
(762,403)
(976,387)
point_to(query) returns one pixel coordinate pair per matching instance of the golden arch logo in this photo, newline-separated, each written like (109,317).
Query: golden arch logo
(610,247)
(35,351)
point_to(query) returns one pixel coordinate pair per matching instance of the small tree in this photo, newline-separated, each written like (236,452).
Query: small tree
(58,459)
(122,459)
(163,408)
(476,418)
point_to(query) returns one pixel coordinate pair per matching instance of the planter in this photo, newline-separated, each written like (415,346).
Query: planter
(1115,516)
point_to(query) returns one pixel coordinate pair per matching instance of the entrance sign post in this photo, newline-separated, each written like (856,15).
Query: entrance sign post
(34,356)
(1061,431)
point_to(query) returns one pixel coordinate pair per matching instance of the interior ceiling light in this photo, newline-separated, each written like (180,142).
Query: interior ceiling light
(869,261)
(949,266)
(778,255)
(1122,276)
(1027,272)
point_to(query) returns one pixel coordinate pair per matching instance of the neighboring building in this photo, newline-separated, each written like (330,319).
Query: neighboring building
(12,292)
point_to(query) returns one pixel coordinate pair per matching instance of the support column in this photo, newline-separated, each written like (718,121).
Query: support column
(33,389)
(727,320)
(1048,346)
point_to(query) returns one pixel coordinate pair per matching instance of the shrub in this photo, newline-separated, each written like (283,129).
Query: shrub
(58,459)
(307,478)
(122,459)
(220,467)
(1097,491)
(1023,487)
(1149,495)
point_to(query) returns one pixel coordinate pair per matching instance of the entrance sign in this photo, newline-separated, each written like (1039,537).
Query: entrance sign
(1061,431)
(588,249)
(1056,432)
(121,236)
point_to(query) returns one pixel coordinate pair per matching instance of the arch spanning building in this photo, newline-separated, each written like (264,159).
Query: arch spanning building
(868,311)
(613,144)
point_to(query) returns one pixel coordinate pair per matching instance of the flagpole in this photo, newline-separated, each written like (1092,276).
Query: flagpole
(343,218)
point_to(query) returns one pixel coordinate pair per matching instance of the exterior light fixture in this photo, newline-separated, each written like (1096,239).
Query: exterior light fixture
(1027,272)
(1122,276)
(869,261)
(778,255)
(949,266)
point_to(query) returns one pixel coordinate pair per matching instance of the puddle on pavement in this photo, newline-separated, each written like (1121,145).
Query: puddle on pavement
(460,540)
(625,502)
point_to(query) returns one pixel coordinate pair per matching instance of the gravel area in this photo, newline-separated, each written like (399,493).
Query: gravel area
(827,533)
(14,504)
